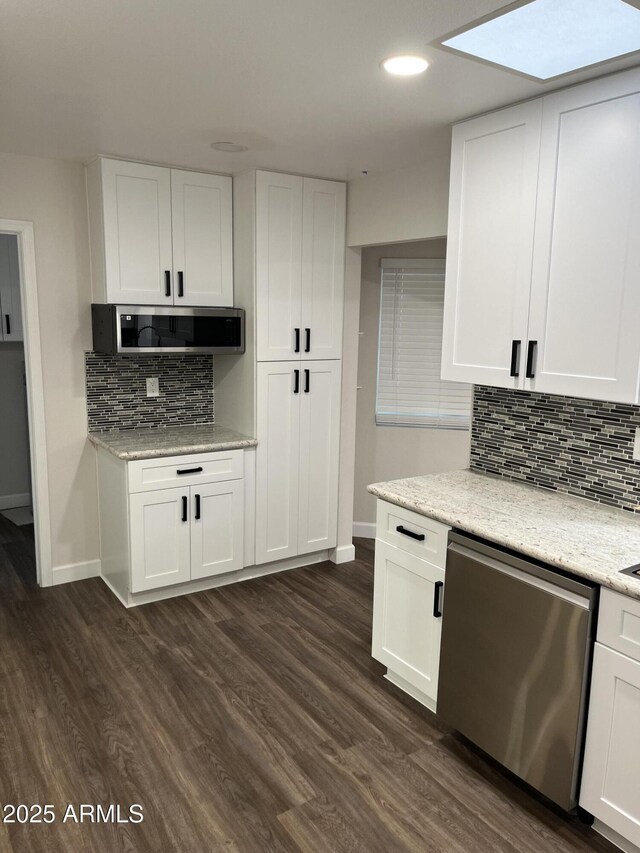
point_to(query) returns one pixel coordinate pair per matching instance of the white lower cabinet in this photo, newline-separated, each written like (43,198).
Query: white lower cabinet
(611,773)
(298,430)
(171,520)
(407,623)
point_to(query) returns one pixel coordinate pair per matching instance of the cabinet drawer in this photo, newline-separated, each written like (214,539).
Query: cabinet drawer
(149,474)
(619,623)
(396,525)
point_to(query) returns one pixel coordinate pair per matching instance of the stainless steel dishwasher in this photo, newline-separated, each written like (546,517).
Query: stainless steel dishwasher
(514,663)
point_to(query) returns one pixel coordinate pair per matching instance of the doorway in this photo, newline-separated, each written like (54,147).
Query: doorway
(25,538)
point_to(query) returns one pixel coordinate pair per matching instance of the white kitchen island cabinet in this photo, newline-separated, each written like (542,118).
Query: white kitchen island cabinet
(159,236)
(542,259)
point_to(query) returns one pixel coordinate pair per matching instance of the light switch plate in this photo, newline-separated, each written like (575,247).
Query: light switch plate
(636,445)
(153,387)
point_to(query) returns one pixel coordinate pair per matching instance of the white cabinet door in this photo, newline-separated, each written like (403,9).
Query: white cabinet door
(585,299)
(160,538)
(10,308)
(494,169)
(319,455)
(137,232)
(611,772)
(277,460)
(217,528)
(406,633)
(323,252)
(278,265)
(202,239)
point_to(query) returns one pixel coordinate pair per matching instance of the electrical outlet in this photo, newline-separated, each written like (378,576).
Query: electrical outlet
(153,387)
(636,445)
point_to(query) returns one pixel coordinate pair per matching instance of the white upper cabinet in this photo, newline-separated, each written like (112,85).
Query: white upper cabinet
(10,305)
(543,244)
(585,297)
(159,236)
(323,251)
(201,207)
(300,248)
(278,265)
(494,172)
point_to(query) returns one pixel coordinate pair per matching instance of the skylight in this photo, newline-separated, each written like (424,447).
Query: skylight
(548,38)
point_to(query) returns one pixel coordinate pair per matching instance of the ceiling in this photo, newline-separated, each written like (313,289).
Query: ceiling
(297,81)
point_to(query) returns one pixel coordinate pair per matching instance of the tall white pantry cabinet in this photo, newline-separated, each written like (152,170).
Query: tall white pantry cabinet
(289,277)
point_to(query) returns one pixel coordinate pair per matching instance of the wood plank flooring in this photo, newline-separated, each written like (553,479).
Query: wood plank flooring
(249,718)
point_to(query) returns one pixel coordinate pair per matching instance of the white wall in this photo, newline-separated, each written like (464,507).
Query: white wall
(405,204)
(15,478)
(389,453)
(51,194)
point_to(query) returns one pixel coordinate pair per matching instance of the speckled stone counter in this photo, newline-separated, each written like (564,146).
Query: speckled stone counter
(571,533)
(129,444)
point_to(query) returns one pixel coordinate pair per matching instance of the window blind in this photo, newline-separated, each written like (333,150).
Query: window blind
(410,391)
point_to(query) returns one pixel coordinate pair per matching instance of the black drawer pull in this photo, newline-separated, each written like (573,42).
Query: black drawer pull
(184,509)
(296,384)
(410,533)
(530,374)
(180,283)
(197,507)
(297,346)
(190,470)
(306,381)
(167,282)
(437,604)
(515,358)
(307,346)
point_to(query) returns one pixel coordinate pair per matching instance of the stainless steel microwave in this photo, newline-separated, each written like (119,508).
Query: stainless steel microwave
(147,329)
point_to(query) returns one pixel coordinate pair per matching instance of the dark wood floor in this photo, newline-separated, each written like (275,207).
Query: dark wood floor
(250,718)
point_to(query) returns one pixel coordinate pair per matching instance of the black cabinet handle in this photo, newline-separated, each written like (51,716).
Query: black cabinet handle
(515,358)
(531,351)
(296,381)
(180,283)
(410,533)
(307,335)
(167,282)
(306,381)
(7,320)
(197,507)
(297,346)
(184,508)
(437,604)
(189,470)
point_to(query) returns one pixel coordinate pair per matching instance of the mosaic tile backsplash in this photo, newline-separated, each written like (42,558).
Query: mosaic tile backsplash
(117,395)
(581,447)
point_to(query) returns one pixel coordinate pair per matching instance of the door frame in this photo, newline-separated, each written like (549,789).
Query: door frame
(35,394)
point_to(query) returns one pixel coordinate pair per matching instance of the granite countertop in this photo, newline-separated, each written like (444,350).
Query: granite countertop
(570,533)
(148,443)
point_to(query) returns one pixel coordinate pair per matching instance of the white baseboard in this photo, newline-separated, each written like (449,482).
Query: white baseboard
(342,554)
(12,501)
(366,529)
(614,837)
(75,572)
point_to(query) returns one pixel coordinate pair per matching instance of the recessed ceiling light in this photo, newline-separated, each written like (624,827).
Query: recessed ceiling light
(547,38)
(405,66)
(229,147)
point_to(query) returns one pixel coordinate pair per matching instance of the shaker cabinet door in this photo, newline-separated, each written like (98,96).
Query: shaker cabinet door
(137,233)
(217,528)
(202,239)
(585,298)
(160,538)
(494,171)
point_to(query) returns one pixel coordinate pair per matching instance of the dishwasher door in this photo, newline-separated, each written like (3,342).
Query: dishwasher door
(514,663)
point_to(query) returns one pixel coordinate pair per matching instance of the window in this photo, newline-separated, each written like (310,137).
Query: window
(410,391)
